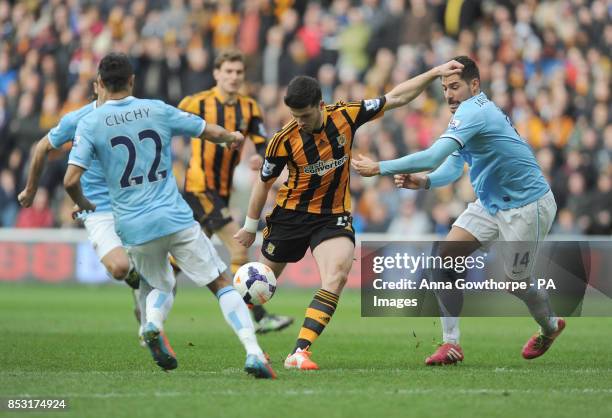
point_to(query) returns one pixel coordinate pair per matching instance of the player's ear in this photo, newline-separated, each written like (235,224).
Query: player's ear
(131,81)
(475,86)
(321,105)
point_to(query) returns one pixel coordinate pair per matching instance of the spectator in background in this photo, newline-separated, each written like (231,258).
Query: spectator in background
(24,128)
(198,74)
(547,64)
(8,199)
(38,215)
(411,221)
(7,74)
(224,24)
(352,43)
(5,142)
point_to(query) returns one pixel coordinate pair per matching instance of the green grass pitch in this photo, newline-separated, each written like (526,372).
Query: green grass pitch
(79,343)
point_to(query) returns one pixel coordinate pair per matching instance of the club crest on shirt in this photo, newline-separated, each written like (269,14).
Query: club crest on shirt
(341,140)
(243,125)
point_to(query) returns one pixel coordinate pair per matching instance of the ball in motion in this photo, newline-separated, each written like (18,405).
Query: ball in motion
(255,282)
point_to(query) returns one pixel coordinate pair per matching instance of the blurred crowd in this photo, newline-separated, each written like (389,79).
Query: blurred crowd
(545,63)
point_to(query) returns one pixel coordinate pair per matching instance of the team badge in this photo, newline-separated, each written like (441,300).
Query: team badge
(270,248)
(225,212)
(243,125)
(341,140)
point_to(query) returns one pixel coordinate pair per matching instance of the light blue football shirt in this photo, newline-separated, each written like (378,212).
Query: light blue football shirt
(131,138)
(503,169)
(92,181)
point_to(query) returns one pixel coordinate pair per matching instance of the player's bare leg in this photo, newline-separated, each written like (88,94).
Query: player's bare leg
(264,321)
(118,265)
(276,267)
(458,242)
(334,257)
(237,316)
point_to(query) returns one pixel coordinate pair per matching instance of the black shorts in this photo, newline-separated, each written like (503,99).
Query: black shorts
(210,209)
(289,233)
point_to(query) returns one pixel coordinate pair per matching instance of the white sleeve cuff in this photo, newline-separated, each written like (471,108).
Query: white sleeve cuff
(203,128)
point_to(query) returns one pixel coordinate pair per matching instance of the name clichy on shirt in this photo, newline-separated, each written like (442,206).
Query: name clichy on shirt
(126,117)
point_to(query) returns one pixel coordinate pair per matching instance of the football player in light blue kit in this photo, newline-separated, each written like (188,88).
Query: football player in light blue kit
(131,139)
(100,225)
(514,203)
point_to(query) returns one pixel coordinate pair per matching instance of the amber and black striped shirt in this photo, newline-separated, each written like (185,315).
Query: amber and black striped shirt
(212,166)
(318,163)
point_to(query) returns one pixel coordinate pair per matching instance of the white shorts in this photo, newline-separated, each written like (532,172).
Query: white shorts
(101,232)
(192,251)
(523,227)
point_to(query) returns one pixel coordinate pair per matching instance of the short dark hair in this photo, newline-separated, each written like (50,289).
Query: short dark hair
(230,55)
(470,69)
(303,91)
(115,71)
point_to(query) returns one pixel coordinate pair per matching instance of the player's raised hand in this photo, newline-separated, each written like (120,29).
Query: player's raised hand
(244,237)
(365,166)
(449,68)
(26,197)
(410,181)
(255,162)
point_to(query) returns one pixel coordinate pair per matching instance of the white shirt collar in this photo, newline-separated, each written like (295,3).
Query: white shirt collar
(119,101)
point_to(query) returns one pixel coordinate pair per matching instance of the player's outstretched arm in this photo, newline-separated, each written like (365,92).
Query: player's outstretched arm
(37,163)
(246,235)
(72,184)
(447,173)
(219,135)
(405,92)
(425,160)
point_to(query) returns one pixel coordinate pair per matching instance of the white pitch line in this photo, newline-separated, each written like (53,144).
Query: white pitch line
(310,392)
(232,370)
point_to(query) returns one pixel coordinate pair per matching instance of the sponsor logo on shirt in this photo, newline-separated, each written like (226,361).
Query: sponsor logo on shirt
(321,167)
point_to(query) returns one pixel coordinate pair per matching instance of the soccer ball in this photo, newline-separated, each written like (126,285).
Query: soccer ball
(255,282)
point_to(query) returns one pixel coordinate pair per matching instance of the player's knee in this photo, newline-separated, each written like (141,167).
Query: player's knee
(118,269)
(336,279)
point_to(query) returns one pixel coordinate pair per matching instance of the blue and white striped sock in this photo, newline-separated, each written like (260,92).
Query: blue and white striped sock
(237,316)
(158,307)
